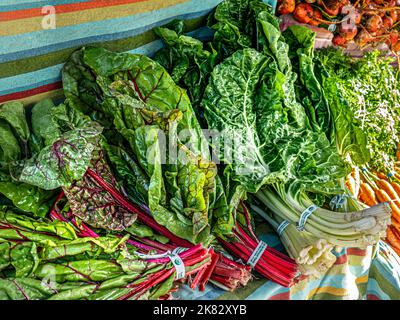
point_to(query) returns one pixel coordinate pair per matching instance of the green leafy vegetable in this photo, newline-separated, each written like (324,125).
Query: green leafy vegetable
(147,109)
(357,86)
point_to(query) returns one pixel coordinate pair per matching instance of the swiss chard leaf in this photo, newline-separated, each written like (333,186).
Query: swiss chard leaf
(14,114)
(142,101)
(44,126)
(269,148)
(188,63)
(26,197)
(92,203)
(61,163)
(10,149)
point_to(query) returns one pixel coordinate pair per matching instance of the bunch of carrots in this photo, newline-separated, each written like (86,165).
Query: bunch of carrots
(371,188)
(366,22)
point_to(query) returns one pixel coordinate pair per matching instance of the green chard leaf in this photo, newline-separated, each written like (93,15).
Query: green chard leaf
(61,163)
(144,104)
(95,205)
(269,147)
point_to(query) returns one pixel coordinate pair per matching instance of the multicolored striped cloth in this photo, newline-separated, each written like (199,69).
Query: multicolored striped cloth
(370,274)
(31,57)
(32,54)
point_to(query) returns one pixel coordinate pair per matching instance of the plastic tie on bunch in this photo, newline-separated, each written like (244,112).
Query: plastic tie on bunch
(173,256)
(257,253)
(304,216)
(284,224)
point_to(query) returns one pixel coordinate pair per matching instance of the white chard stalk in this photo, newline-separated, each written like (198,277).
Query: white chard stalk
(348,229)
(313,255)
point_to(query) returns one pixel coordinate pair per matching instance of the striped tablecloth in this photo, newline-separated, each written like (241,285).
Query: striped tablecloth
(34,44)
(371,274)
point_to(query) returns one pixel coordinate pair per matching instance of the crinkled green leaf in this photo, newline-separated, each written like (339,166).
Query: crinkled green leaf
(24,258)
(61,163)
(269,147)
(350,138)
(10,149)
(26,197)
(65,248)
(14,114)
(188,63)
(152,84)
(95,205)
(232,22)
(128,173)
(44,126)
(309,90)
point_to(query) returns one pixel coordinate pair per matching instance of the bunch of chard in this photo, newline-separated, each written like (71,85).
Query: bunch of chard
(65,156)
(221,271)
(46,260)
(130,89)
(153,141)
(312,255)
(272,264)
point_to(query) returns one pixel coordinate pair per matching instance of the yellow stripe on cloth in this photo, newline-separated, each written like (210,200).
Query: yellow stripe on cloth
(341,292)
(363,279)
(8,28)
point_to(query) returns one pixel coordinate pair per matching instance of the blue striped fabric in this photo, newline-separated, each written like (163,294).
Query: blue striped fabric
(31,44)
(52,74)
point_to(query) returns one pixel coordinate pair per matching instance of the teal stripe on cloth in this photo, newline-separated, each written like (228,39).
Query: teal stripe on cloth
(30,80)
(44,41)
(210,293)
(267,291)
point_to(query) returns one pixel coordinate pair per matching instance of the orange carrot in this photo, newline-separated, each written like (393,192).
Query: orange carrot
(367,194)
(396,224)
(393,238)
(395,212)
(398,152)
(387,187)
(396,187)
(382,196)
(351,185)
(380,175)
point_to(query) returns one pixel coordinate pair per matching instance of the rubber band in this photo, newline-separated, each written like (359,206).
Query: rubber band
(304,216)
(257,253)
(363,169)
(282,227)
(332,27)
(339,200)
(390,174)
